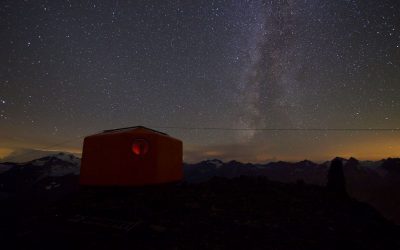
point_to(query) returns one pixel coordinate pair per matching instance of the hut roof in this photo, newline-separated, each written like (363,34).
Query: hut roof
(131,128)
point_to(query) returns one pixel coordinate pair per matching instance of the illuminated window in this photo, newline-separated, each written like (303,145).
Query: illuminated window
(140,147)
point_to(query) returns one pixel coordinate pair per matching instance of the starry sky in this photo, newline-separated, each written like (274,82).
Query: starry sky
(73,68)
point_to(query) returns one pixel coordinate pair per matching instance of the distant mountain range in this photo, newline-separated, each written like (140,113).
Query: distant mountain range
(48,176)
(306,171)
(374,182)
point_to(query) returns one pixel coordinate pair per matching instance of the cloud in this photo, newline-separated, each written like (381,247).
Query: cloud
(226,152)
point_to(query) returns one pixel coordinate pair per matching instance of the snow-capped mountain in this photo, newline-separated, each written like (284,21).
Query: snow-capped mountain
(60,164)
(51,171)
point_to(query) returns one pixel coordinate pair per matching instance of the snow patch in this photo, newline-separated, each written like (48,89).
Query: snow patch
(52,185)
(216,163)
(67,158)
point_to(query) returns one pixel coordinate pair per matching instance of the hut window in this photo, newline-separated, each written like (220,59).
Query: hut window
(140,147)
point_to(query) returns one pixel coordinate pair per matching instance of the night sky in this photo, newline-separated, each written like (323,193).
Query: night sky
(73,68)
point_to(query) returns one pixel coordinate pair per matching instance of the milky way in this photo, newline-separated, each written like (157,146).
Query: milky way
(70,69)
(304,48)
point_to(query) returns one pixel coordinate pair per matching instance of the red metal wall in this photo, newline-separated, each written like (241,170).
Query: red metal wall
(108,160)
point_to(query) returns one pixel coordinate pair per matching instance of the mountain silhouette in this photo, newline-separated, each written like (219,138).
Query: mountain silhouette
(54,178)
(336,181)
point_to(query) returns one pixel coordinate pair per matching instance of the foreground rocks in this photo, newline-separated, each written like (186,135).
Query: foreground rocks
(241,213)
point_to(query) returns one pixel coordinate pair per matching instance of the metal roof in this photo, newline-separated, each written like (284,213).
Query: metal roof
(133,127)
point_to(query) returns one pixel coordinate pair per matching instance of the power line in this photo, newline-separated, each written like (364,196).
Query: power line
(281,129)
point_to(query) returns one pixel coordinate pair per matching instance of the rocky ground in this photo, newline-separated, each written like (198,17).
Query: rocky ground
(239,213)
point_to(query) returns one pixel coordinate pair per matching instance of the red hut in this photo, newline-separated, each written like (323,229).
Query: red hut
(131,156)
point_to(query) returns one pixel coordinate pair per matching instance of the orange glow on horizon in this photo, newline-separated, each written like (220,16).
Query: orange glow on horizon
(4,152)
(373,147)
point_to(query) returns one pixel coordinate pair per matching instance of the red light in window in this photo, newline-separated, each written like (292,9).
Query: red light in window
(140,147)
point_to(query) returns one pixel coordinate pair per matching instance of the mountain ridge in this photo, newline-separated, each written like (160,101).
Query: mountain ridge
(373,182)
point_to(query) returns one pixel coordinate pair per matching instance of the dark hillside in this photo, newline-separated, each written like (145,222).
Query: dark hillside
(239,213)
